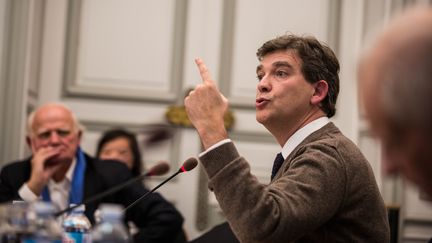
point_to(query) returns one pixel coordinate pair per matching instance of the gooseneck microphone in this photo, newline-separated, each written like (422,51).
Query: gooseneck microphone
(159,169)
(188,165)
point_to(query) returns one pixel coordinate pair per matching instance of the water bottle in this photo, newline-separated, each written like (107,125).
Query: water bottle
(8,232)
(111,228)
(14,223)
(44,228)
(76,226)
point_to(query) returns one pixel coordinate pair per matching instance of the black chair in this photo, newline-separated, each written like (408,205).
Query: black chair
(219,233)
(393,217)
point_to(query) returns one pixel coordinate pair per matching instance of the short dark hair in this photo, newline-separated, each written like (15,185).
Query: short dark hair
(318,63)
(133,144)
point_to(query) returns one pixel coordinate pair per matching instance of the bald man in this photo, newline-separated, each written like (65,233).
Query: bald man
(395,79)
(60,172)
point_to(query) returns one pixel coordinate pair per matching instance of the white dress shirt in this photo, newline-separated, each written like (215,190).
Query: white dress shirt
(292,142)
(301,134)
(59,191)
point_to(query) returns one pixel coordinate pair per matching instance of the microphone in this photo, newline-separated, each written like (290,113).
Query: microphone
(158,169)
(188,165)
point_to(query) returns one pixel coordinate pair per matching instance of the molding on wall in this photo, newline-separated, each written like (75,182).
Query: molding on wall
(227,42)
(4,13)
(229,33)
(334,25)
(37,22)
(72,88)
(14,73)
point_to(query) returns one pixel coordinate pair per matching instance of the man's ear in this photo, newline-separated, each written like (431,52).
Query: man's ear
(79,135)
(320,92)
(29,143)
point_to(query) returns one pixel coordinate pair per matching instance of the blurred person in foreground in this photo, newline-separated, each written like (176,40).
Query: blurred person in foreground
(324,190)
(60,172)
(395,83)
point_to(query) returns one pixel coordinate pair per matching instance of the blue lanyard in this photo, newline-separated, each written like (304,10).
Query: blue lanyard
(77,189)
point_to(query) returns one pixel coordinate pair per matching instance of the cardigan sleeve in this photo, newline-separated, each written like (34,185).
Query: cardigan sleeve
(299,200)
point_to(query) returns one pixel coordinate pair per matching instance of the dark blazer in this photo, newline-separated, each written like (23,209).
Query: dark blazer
(157,219)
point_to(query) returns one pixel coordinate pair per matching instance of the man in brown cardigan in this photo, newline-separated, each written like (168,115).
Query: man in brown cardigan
(325,190)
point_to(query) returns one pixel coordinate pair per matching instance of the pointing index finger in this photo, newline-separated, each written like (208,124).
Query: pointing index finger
(204,72)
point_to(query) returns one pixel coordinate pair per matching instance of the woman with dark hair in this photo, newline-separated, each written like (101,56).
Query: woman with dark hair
(121,145)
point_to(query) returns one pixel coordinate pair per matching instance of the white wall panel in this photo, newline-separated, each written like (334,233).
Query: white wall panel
(203,39)
(256,21)
(3,21)
(53,47)
(125,48)
(346,117)
(21,26)
(372,152)
(126,43)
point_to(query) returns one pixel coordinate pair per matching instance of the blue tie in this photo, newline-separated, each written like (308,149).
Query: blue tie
(277,164)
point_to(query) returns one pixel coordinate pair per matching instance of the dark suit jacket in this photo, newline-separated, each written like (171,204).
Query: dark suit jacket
(157,219)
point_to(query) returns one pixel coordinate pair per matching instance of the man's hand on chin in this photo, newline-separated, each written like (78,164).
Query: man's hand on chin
(44,165)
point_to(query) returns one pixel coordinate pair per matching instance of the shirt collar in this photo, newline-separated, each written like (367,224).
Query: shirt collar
(68,177)
(69,173)
(301,134)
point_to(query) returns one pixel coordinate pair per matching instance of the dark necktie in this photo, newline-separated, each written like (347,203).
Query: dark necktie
(277,164)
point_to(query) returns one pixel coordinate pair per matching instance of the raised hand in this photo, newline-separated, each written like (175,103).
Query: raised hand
(206,107)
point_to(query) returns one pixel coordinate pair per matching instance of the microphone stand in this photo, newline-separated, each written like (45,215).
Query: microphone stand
(152,190)
(188,165)
(103,194)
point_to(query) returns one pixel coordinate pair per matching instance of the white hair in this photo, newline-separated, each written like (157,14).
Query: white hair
(401,61)
(406,84)
(77,126)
